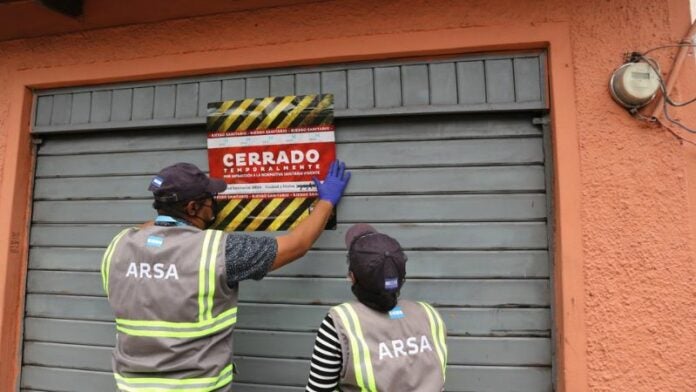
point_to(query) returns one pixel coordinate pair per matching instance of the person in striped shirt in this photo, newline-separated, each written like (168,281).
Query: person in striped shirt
(378,342)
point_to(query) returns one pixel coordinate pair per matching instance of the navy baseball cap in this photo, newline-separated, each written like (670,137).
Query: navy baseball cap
(376,260)
(183,182)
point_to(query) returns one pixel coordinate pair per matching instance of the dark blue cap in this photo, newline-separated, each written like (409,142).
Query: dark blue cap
(377,260)
(183,182)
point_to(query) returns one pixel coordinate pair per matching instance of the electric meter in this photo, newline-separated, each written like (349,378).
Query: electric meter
(634,85)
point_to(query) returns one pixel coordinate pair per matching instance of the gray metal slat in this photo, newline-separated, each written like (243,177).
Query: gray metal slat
(502,351)
(44,110)
(101,106)
(460,321)
(97,333)
(116,164)
(360,89)
(459,378)
(66,259)
(81,106)
(440,127)
(415,85)
(442,292)
(471,82)
(480,152)
(348,130)
(433,264)
(143,103)
(67,356)
(282,85)
(258,87)
(387,87)
(69,307)
(121,105)
(434,153)
(364,182)
(456,179)
(299,318)
(498,379)
(478,378)
(209,92)
(307,83)
(242,387)
(186,100)
(55,379)
(165,101)
(527,79)
(500,81)
(161,140)
(62,107)
(443,84)
(316,263)
(441,208)
(334,82)
(450,236)
(233,89)
(462,350)
(445,208)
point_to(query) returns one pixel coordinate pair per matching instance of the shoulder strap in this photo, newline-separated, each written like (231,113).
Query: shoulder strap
(106,259)
(364,374)
(437,329)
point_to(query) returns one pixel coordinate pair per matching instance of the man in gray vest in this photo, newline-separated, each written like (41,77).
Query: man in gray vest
(378,343)
(172,283)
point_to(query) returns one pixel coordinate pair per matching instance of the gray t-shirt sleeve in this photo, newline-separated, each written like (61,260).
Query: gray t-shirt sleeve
(248,257)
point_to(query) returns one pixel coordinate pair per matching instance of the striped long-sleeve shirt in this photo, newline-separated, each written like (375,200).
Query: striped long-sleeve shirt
(326,365)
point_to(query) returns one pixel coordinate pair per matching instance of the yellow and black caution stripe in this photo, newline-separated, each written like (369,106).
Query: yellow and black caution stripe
(271,112)
(276,214)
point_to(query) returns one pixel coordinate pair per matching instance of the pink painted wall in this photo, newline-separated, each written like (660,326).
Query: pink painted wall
(638,182)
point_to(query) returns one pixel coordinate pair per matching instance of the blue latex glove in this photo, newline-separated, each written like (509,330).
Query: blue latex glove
(331,189)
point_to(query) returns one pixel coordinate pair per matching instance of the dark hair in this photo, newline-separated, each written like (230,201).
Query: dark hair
(383,301)
(177,208)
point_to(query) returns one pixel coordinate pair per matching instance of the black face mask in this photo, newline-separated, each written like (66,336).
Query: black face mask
(215,209)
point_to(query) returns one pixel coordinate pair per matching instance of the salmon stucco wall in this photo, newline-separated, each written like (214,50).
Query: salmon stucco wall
(637,182)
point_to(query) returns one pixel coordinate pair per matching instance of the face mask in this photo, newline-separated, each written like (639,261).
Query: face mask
(215,210)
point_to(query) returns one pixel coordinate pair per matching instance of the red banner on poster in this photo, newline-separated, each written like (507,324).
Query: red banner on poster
(269,163)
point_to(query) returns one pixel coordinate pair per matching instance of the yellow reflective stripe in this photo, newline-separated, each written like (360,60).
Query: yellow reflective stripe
(211,272)
(168,384)
(106,260)
(433,330)
(440,329)
(366,349)
(172,324)
(174,381)
(176,334)
(201,276)
(354,347)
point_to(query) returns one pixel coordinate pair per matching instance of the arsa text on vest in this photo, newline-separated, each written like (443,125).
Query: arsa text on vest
(403,347)
(152,271)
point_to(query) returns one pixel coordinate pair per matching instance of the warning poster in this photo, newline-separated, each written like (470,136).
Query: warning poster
(268,150)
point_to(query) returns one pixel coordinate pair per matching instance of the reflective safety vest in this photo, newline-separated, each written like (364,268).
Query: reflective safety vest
(402,350)
(174,310)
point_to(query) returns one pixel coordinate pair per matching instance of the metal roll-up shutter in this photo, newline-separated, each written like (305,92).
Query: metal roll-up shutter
(465,194)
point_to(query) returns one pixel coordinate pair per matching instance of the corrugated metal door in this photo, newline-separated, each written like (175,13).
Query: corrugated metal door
(464,193)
